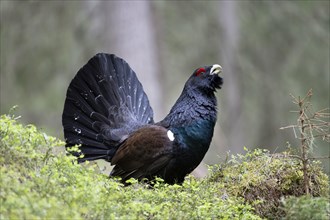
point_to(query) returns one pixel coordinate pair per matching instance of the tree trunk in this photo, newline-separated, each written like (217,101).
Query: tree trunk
(127,30)
(229,23)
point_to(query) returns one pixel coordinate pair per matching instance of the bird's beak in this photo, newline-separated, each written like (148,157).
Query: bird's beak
(216,69)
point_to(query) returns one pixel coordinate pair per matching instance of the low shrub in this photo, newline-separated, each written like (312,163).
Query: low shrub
(306,207)
(40,181)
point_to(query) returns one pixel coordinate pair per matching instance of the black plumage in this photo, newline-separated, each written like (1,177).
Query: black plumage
(108,114)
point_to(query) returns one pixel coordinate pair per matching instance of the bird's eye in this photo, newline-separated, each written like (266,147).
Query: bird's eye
(199,71)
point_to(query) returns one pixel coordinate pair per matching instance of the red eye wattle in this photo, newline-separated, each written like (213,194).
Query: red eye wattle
(199,71)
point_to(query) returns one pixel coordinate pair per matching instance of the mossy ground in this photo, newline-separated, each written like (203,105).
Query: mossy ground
(39,181)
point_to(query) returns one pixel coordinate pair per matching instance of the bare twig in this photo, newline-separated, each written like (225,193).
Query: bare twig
(319,158)
(310,125)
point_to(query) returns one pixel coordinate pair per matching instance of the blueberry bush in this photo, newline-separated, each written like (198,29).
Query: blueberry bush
(39,180)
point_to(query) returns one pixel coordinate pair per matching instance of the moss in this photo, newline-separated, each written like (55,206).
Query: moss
(39,181)
(263,179)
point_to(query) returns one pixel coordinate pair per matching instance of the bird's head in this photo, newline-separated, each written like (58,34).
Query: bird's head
(206,79)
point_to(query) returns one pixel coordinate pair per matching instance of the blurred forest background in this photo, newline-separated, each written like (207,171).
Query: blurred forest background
(268,49)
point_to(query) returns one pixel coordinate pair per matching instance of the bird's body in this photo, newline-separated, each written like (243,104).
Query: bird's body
(108,113)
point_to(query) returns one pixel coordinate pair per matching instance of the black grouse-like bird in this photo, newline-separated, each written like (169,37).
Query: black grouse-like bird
(107,112)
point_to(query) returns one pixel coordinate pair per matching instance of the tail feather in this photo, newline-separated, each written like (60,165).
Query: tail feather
(105,102)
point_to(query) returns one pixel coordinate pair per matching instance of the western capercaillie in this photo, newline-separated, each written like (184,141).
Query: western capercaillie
(108,114)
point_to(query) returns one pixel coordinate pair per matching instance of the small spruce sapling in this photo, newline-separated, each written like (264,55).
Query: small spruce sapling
(310,125)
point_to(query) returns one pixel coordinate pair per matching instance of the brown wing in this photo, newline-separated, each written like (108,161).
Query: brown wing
(143,154)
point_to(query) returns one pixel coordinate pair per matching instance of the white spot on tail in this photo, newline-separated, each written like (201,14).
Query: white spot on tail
(170,135)
(77,130)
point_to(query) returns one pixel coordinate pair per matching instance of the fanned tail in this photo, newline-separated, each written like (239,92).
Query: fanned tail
(104,103)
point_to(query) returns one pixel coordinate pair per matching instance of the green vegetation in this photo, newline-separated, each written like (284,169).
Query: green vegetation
(39,181)
(306,207)
(262,179)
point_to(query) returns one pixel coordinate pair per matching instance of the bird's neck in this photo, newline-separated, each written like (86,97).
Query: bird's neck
(192,121)
(191,107)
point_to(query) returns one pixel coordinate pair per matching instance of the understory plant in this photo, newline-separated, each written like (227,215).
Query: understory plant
(39,180)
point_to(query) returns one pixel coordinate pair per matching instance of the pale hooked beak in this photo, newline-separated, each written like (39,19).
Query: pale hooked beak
(216,69)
